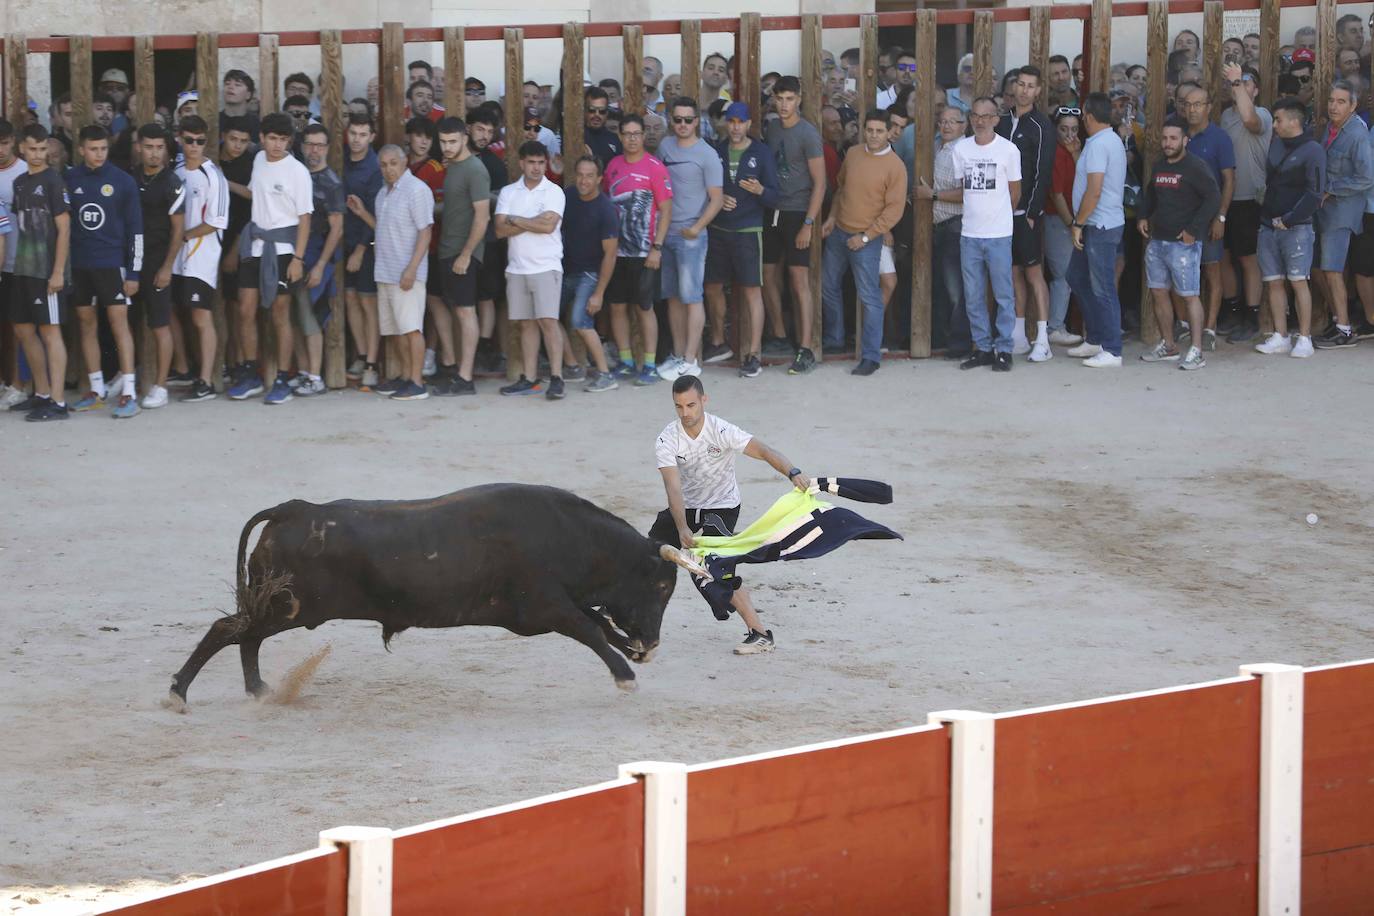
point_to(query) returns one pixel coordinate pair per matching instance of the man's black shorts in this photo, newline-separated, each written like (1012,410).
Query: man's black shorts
(780,230)
(633,284)
(734,257)
(1242,228)
(716,522)
(363,281)
(31,303)
(102,286)
(434,283)
(248,275)
(193,293)
(491,279)
(458,290)
(1027,242)
(1361,247)
(157,304)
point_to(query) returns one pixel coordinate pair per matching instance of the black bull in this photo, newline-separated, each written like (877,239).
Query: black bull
(531,559)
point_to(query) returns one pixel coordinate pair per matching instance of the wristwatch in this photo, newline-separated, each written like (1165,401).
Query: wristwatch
(1221,217)
(656,246)
(793,472)
(808,222)
(865,238)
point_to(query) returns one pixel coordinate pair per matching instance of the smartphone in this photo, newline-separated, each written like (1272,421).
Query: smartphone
(851,85)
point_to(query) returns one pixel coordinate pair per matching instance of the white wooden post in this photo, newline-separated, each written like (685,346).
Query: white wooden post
(1280,834)
(970,810)
(665,835)
(369,867)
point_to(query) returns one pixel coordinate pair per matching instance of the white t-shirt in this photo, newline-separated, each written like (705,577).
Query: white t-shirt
(988,172)
(282,194)
(207,204)
(532,252)
(706,464)
(16,168)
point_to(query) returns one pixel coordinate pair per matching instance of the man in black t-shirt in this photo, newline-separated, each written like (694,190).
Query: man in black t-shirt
(311,307)
(160,194)
(236,163)
(483,126)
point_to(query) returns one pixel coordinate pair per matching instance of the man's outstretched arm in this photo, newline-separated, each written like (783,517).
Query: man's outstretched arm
(778,461)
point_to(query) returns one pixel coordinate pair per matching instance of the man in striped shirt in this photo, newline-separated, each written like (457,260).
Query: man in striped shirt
(196,269)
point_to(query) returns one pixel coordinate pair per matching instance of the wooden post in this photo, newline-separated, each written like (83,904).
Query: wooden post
(691,60)
(922,226)
(868,66)
(1269,52)
(748,58)
(1156,101)
(574,117)
(82,84)
(268,85)
(1100,61)
(332,112)
(16,79)
(632,77)
(515,113)
(207,86)
(812,97)
(983,78)
(1040,50)
(1213,25)
(1327,48)
(392,74)
(455,75)
(145,85)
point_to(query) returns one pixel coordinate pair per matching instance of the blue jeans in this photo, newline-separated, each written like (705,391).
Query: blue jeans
(578,287)
(682,268)
(1092,277)
(981,261)
(949,319)
(864,262)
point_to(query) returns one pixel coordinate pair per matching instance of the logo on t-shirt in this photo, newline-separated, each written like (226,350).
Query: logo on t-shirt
(1168,179)
(107,190)
(92,216)
(714,451)
(980,176)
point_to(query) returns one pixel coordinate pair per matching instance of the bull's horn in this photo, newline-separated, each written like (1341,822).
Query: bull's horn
(682,558)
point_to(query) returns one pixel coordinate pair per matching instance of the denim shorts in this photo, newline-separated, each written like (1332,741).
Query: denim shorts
(578,287)
(1211,251)
(1335,245)
(1175,266)
(683,267)
(1285,254)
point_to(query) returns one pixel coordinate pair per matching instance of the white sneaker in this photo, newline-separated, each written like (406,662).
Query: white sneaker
(1302,349)
(1192,360)
(1275,343)
(692,368)
(431,364)
(9,396)
(1103,360)
(1020,346)
(1084,350)
(1064,338)
(1041,352)
(309,387)
(155,398)
(670,368)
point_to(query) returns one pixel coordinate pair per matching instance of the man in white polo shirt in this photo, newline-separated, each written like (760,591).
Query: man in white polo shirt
(529,213)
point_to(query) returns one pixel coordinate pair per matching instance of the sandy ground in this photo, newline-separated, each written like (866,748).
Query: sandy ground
(1070,534)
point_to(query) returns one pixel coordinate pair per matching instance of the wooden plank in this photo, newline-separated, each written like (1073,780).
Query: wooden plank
(632,76)
(1100,60)
(1213,29)
(455,71)
(812,98)
(515,115)
(1327,47)
(983,77)
(392,73)
(332,112)
(268,84)
(16,79)
(1269,51)
(145,80)
(691,59)
(1040,50)
(1156,103)
(748,58)
(574,49)
(207,84)
(82,82)
(922,227)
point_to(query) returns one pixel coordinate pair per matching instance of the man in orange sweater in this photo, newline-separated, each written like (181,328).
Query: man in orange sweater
(869,197)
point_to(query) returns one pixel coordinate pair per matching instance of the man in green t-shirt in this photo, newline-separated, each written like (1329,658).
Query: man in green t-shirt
(466,210)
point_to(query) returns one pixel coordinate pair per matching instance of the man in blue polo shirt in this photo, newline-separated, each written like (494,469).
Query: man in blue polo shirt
(1098,220)
(1213,146)
(591,238)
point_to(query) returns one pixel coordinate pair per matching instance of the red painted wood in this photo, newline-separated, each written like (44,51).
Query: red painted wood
(862,828)
(315,887)
(578,855)
(1338,763)
(1338,883)
(1228,892)
(1101,797)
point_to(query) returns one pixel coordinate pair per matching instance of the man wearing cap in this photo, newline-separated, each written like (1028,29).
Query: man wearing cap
(474,93)
(188,104)
(236,95)
(1304,70)
(115,83)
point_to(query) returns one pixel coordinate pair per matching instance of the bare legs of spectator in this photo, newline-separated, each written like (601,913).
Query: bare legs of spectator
(411,348)
(686,321)
(119,328)
(620,329)
(530,332)
(47,357)
(1302,303)
(442,319)
(1211,284)
(802,306)
(181,361)
(887,285)
(165,351)
(204,323)
(362,321)
(1336,297)
(772,300)
(715,308)
(466,318)
(1162,301)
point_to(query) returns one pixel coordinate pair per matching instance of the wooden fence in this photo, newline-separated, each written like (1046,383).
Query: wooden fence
(1096,18)
(1247,795)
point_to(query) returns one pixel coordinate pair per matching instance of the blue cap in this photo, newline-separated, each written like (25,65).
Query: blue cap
(737,111)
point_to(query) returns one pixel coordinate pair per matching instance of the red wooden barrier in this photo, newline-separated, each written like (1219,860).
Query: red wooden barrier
(859,828)
(581,853)
(311,884)
(1338,790)
(1141,804)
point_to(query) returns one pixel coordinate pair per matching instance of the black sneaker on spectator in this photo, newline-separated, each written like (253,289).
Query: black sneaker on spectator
(977,360)
(574,373)
(389,387)
(555,390)
(1331,332)
(199,391)
(1228,319)
(1337,341)
(1209,339)
(29,404)
(1181,331)
(180,379)
(802,363)
(716,353)
(865,367)
(777,346)
(1246,329)
(409,391)
(756,643)
(47,411)
(1001,362)
(1364,330)
(751,367)
(462,386)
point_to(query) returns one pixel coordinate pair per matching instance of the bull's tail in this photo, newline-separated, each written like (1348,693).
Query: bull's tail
(241,599)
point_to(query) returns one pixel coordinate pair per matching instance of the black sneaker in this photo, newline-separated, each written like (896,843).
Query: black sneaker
(522,387)
(179,379)
(199,391)
(443,385)
(777,346)
(1364,330)
(1331,333)
(1001,362)
(1337,341)
(574,373)
(756,643)
(47,411)
(462,386)
(555,389)
(751,367)
(977,359)
(716,353)
(1246,329)
(409,391)
(29,404)
(802,363)
(865,367)
(389,387)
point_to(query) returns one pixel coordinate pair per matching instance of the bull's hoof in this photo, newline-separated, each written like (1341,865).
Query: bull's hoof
(258,691)
(174,701)
(629,686)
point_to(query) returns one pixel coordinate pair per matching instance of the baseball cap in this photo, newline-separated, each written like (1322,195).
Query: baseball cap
(114,75)
(737,111)
(189,95)
(1304,56)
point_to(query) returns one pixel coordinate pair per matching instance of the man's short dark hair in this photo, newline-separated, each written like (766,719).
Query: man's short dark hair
(607,83)
(6,130)
(422,126)
(1176,121)
(529,83)
(154,131)
(787,84)
(533,149)
(877,114)
(1133,68)
(193,124)
(451,125)
(1348,17)
(1029,70)
(316,128)
(686,101)
(278,124)
(36,132)
(596,164)
(239,123)
(103,98)
(684,383)
(423,65)
(1099,106)
(485,116)
(723,59)
(360,100)
(419,84)
(1059,59)
(91,132)
(297,100)
(355,119)
(631,118)
(494,107)
(1293,106)
(299,78)
(595,92)
(242,77)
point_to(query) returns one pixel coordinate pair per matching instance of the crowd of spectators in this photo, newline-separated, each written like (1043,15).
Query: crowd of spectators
(690,221)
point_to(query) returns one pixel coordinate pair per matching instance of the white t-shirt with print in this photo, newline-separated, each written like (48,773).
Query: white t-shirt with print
(207,204)
(706,464)
(988,171)
(282,194)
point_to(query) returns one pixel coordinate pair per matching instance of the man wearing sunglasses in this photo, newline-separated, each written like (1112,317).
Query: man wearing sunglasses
(602,143)
(196,269)
(1304,70)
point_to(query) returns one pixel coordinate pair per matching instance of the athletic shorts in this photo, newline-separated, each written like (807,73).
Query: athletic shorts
(780,231)
(1242,228)
(530,296)
(886,265)
(633,284)
(229,284)
(1027,241)
(578,287)
(6,295)
(1285,254)
(157,304)
(193,293)
(31,303)
(1174,265)
(1362,249)
(682,269)
(715,522)
(734,257)
(249,269)
(1333,247)
(102,286)
(307,316)
(434,283)
(362,281)
(491,279)
(400,311)
(457,290)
